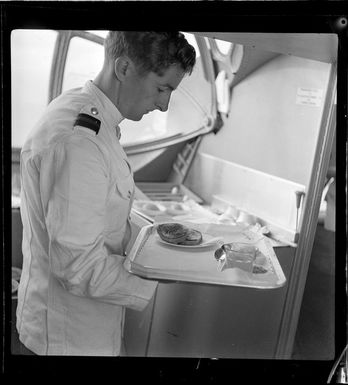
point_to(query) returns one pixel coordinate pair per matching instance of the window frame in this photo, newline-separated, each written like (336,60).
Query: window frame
(217,54)
(61,51)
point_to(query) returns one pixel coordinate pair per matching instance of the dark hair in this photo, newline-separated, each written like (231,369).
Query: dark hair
(151,51)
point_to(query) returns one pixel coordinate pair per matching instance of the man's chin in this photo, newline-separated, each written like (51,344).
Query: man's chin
(136,118)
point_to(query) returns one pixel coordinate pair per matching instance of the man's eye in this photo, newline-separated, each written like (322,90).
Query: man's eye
(160,90)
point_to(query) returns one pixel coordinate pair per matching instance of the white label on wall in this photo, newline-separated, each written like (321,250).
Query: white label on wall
(309,96)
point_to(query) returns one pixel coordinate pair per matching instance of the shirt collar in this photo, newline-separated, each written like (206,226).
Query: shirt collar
(111,114)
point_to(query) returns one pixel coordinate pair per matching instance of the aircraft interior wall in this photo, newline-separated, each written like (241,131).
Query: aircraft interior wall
(269,128)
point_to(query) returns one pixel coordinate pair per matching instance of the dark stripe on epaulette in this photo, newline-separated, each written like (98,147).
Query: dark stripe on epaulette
(88,121)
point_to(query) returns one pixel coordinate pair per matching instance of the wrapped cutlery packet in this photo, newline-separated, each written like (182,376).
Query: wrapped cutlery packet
(238,255)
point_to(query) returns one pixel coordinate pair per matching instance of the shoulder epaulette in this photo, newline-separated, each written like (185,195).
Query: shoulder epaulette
(88,121)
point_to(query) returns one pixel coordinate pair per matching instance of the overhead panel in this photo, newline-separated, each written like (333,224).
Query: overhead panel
(314,46)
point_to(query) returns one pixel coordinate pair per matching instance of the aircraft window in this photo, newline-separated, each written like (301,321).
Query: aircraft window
(84,61)
(189,106)
(31,59)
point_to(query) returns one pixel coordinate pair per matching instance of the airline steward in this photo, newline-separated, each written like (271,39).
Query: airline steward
(76,197)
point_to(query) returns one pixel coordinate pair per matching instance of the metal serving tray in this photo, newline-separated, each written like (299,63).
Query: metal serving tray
(151,258)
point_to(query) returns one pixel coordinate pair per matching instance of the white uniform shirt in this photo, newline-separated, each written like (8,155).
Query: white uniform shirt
(77,192)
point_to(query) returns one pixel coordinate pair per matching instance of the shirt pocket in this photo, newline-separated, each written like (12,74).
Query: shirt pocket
(124,187)
(119,203)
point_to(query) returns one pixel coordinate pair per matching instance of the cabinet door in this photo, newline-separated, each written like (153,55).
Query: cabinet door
(195,320)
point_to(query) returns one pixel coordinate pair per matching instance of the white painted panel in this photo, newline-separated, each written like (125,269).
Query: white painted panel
(269,198)
(267,128)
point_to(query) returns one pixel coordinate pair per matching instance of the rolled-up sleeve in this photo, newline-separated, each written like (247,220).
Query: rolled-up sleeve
(75,215)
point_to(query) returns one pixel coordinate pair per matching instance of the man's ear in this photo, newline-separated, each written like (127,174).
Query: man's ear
(122,67)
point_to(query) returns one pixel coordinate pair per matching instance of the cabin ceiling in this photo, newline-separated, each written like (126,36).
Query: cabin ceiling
(314,46)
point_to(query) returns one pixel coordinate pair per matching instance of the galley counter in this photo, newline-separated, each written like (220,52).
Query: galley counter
(186,319)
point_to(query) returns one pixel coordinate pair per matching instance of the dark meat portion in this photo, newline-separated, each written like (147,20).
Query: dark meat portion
(179,234)
(193,237)
(172,232)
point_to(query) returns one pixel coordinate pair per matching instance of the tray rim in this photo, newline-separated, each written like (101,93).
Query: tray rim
(150,273)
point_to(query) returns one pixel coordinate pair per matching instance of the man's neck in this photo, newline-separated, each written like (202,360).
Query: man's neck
(108,85)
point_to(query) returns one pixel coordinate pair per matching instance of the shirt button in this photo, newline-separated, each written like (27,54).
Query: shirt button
(94,111)
(129,194)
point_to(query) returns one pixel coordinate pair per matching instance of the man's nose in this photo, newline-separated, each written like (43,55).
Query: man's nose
(163,102)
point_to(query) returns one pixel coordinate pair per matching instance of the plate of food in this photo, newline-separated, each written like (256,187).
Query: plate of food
(178,235)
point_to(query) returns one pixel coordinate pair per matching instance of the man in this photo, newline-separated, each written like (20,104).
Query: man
(77,192)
